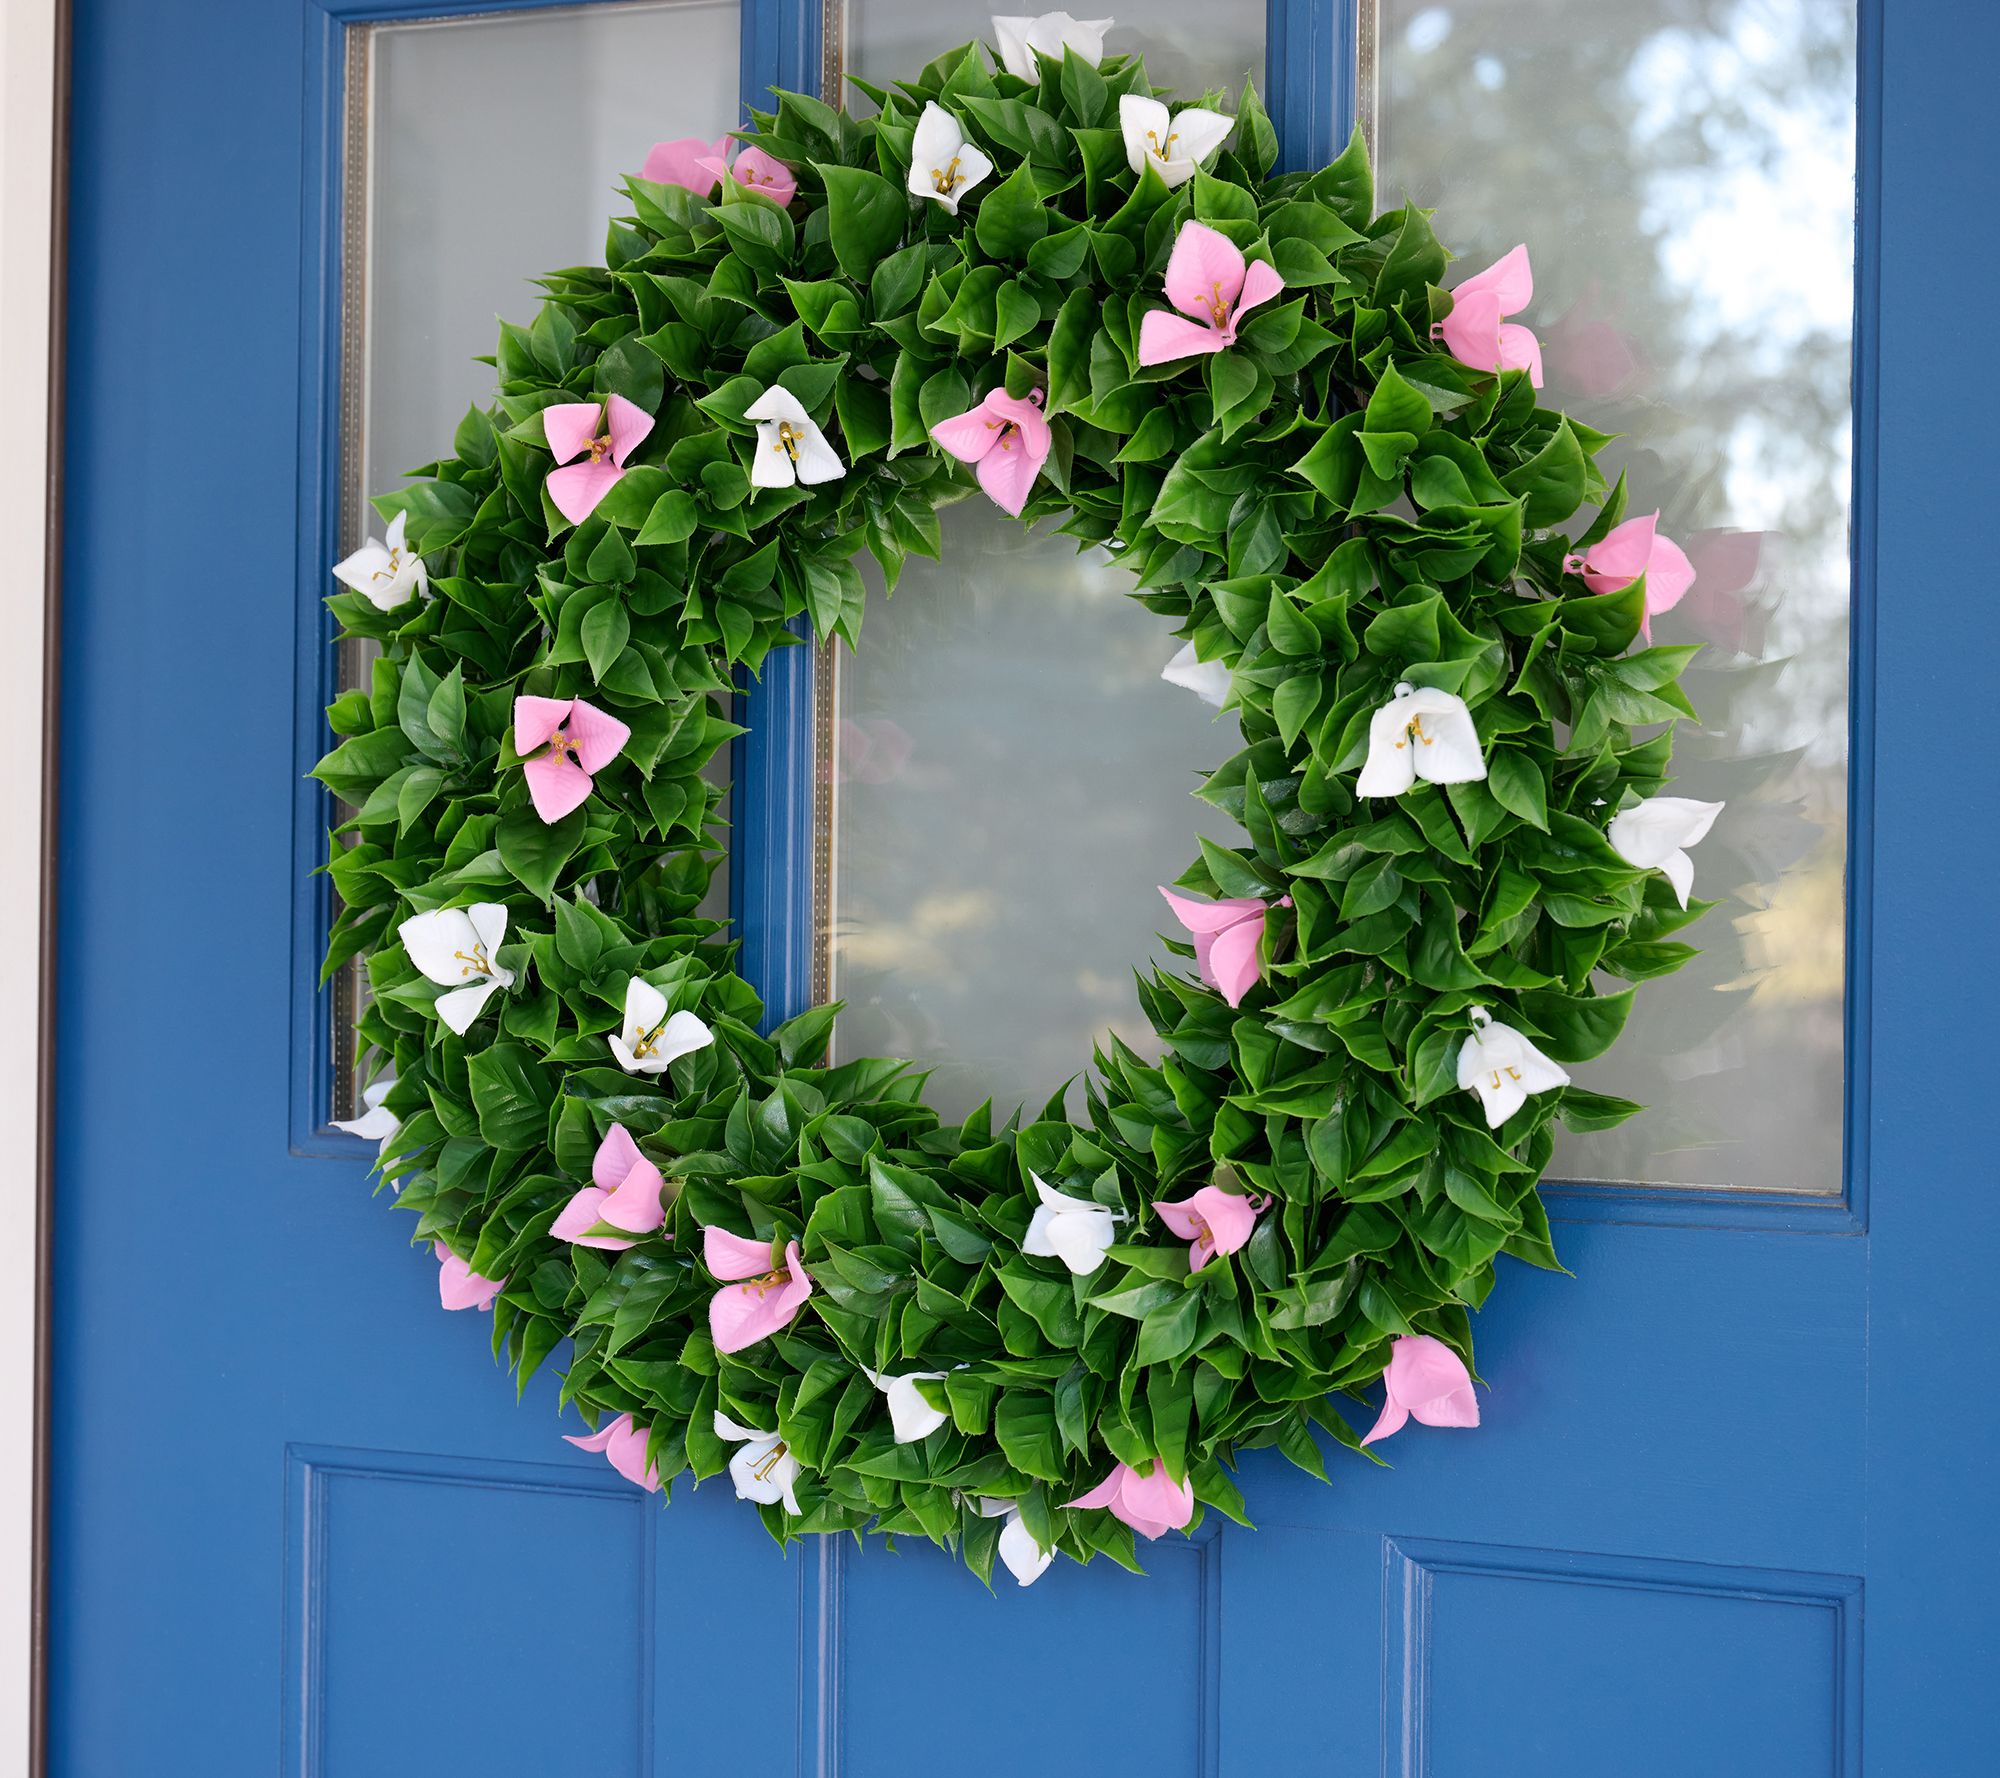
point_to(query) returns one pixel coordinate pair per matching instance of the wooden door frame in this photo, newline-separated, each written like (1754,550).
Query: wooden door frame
(34,37)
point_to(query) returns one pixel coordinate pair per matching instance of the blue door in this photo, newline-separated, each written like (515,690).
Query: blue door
(1728,1512)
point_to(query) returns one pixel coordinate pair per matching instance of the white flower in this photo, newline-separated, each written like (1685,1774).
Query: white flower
(386,574)
(376,1123)
(1026,1559)
(943,165)
(1073,1230)
(1503,1068)
(1175,142)
(1208,680)
(1051,33)
(1651,836)
(1420,733)
(765,1469)
(911,1417)
(790,448)
(648,1040)
(458,947)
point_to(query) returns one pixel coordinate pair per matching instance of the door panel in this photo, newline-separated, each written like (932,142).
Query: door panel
(293,1501)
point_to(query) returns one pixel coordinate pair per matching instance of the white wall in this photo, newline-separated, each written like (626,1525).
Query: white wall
(27,121)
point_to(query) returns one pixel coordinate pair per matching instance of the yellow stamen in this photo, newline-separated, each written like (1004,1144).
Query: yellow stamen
(762,1471)
(947,179)
(789,439)
(475,963)
(1163,151)
(1415,732)
(645,1043)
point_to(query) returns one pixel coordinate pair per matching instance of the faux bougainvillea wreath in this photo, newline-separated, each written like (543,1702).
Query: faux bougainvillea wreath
(1333,479)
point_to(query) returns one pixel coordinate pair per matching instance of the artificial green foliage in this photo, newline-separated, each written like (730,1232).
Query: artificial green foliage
(1330,507)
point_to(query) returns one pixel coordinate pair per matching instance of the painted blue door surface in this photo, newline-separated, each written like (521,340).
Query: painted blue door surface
(1731,1510)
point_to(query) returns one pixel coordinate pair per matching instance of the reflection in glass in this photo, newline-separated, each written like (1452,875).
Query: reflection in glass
(1188,46)
(1685,180)
(1012,776)
(1012,781)
(462,217)
(450,220)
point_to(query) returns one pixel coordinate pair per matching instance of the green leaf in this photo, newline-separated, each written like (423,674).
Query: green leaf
(511,1093)
(534,851)
(1553,480)
(1396,407)
(1012,216)
(866,216)
(606,629)
(1516,783)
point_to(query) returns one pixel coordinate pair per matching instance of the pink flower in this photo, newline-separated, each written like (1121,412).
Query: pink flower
(459,1286)
(687,161)
(1226,936)
(582,740)
(1150,1504)
(625,1194)
(1208,280)
(1629,550)
(756,171)
(610,430)
(1216,1221)
(623,1443)
(740,1315)
(1009,440)
(1428,1379)
(1474,333)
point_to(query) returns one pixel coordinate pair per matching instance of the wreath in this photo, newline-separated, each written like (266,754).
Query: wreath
(1335,481)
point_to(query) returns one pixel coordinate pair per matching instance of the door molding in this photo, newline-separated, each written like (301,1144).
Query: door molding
(33,125)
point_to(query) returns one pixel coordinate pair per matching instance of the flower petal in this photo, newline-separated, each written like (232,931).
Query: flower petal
(1210,916)
(767,175)
(1520,350)
(1208,680)
(967,436)
(628,424)
(1026,1560)
(1105,1492)
(1200,133)
(462,1005)
(577,488)
(1146,124)
(1471,332)
(1166,339)
(537,719)
(596,735)
(556,785)
(580,1215)
(679,163)
(1008,475)
(731,1256)
(1204,269)
(1232,959)
(1509,280)
(569,426)
(1260,283)
(1620,556)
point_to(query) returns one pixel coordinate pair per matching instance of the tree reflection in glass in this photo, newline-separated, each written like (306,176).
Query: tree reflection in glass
(1684,176)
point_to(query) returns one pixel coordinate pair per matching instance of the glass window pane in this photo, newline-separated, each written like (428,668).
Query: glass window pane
(1684,177)
(461,217)
(1012,777)
(450,220)
(1188,45)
